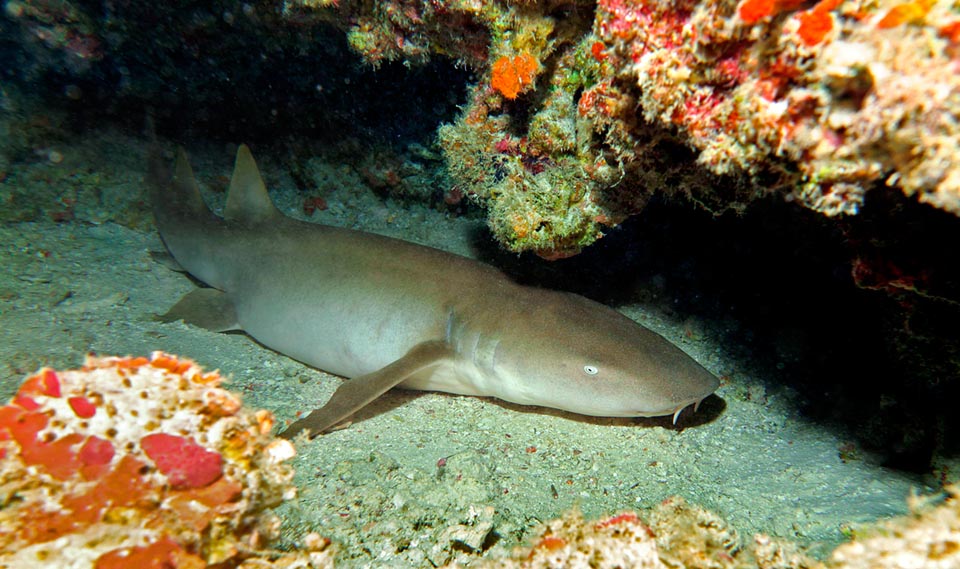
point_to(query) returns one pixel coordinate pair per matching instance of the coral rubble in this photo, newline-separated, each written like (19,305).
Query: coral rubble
(928,539)
(137,461)
(676,534)
(619,541)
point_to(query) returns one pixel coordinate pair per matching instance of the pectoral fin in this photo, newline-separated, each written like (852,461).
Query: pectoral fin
(206,308)
(356,393)
(166,259)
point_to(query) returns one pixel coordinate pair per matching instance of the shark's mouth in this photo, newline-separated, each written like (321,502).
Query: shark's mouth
(682,406)
(675,412)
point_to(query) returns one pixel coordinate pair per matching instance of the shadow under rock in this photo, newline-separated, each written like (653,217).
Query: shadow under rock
(779,287)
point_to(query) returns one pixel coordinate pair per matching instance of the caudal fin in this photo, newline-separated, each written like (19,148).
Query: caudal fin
(176,194)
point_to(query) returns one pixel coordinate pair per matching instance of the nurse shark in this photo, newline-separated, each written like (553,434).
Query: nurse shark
(386,313)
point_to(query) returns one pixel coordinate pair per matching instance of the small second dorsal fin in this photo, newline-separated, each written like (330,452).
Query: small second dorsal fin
(248,200)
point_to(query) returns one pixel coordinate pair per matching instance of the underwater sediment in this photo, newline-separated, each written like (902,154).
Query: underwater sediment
(149,461)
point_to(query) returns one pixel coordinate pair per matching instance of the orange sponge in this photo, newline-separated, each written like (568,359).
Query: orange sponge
(513,74)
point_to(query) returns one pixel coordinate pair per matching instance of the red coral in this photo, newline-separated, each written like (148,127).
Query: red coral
(27,403)
(82,407)
(122,487)
(602,99)
(728,71)
(95,456)
(24,426)
(628,517)
(185,502)
(814,26)
(816,22)
(45,382)
(185,463)
(59,458)
(598,50)
(950,32)
(776,77)
(752,11)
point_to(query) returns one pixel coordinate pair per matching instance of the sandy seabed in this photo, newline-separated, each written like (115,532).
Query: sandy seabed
(423,479)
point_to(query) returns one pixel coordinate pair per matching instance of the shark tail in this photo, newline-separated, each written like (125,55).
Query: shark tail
(193,234)
(175,196)
(186,225)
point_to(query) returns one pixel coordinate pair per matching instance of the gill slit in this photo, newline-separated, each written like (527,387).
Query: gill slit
(493,358)
(448,334)
(475,354)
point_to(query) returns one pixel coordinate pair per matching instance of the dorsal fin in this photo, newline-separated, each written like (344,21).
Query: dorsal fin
(185,194)
(247,199)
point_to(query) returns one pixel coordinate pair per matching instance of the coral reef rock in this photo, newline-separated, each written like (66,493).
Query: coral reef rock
(131,462)
(927,539)
(676,534)
(581,111)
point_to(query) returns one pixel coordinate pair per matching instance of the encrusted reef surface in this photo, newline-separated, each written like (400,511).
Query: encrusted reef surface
(142,462)
(580,109)
(677,534)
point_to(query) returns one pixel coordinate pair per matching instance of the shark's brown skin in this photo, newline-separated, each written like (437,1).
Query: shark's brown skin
(387,312)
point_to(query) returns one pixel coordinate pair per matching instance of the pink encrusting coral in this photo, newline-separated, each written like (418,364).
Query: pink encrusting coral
(139,462)
(774,88)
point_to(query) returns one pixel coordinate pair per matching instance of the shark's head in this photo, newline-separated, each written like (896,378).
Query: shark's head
(571,353)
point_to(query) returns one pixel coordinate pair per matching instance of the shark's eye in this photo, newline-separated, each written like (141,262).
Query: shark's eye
(590,370)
